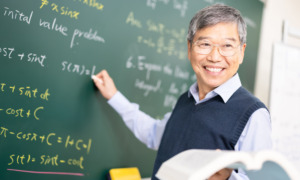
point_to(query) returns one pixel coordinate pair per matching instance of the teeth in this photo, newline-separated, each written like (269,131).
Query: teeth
(214,69)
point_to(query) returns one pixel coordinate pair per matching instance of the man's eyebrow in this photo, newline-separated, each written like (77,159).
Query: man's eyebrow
(209,38)
(203,37)
(231,39)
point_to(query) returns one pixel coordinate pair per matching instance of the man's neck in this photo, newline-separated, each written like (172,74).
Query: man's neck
(203,91)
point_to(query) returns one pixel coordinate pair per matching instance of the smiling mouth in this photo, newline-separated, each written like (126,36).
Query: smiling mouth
(215,70)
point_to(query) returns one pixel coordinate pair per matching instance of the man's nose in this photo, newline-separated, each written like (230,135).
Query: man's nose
(215,55)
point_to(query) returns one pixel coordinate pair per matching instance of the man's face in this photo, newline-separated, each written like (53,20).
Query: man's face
(213,69)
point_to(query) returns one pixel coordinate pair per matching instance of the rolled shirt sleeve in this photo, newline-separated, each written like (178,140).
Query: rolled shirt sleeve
(256,136)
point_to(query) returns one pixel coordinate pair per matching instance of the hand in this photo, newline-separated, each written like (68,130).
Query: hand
(223,174)
(105,84)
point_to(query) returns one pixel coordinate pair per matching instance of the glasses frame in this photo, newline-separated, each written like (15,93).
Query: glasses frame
(219,49)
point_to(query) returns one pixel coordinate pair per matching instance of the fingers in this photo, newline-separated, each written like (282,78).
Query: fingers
(222,174)
(103,76)
(104,73)
(97,80)
(105,84)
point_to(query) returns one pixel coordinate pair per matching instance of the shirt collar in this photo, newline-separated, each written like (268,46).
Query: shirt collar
(225,91)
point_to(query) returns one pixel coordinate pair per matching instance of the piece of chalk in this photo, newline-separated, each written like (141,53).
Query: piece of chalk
(97,79)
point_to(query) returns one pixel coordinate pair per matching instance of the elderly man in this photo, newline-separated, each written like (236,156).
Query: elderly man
(216,112)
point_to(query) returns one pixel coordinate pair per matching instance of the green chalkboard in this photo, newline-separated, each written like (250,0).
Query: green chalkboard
(53,122)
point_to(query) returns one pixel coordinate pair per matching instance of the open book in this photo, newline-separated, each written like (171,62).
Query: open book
(199,164)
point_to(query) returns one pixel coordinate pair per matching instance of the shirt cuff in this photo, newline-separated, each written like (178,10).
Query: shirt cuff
(119,102)
(241,175)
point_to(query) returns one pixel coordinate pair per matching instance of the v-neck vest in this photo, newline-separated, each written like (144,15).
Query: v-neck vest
(209,125)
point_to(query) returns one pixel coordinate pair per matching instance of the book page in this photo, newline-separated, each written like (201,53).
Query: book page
(285,101)
(199,164)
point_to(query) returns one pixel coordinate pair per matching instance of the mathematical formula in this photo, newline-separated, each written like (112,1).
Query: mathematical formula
(22,159)
(181,7)
(48,139)
(62,10)
(21,112)
(167,40)
(11,53)
(26,91)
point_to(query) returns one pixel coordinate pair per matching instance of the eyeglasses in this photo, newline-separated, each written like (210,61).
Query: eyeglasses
(205,47)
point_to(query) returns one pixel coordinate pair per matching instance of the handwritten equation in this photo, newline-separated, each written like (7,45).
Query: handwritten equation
(21,112)
(26,91)
(10,52)
(166,40)
(182,6)
(66,11)
(48,139)
(78,69)
(62,10)
(56,160)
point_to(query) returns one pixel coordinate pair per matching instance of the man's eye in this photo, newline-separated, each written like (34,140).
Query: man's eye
(228,46)
(204,45)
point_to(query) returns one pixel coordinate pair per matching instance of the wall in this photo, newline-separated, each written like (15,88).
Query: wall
(275,12)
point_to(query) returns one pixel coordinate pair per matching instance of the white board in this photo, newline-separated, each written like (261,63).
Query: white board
(285,101)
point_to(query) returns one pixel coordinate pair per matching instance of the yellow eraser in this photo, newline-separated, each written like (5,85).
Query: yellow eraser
(125,174)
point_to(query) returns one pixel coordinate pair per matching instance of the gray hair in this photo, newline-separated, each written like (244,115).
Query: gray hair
(215,14)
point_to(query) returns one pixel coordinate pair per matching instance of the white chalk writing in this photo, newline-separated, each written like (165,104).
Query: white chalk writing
(78,69)
(140,84)
(17,15)
(11,53)
(181,7)
(90,35)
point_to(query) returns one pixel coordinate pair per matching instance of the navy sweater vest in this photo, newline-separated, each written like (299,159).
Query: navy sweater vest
(209,125)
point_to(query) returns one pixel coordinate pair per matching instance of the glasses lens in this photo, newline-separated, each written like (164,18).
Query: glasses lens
(202,47)
(205,47)
(227,49)
(227,52)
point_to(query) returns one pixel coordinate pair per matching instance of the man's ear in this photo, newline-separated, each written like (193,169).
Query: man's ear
(242,53)
(189,48)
